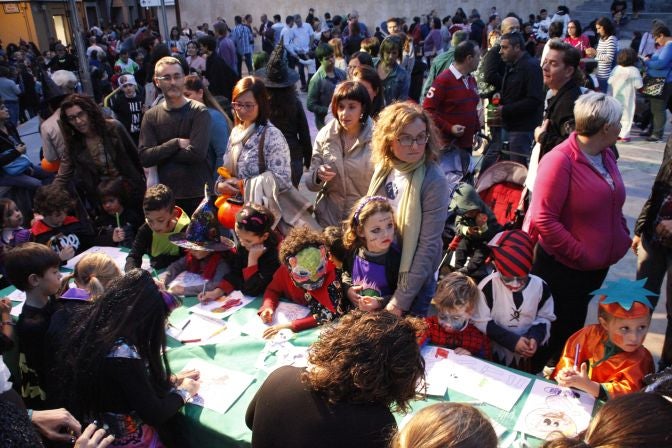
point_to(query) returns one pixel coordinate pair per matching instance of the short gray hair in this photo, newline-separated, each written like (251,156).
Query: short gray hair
(594,110)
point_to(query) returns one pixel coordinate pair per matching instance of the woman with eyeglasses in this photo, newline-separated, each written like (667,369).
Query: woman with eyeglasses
(97,149)
(577,211)
(340,169)
(114,367)
(405,145)
(255,145)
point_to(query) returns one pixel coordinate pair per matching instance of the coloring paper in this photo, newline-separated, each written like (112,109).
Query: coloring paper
(115,253)
(284,313)
(187,279)
(220,387)
(222,307)
(550,408)
(474,377)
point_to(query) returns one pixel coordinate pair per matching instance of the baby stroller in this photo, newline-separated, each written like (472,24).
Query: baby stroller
(502,188)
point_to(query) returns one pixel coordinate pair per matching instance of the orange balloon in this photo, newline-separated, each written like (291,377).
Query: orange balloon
(227,212)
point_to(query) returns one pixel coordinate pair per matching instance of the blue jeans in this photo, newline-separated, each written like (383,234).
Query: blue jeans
(248,63)
(603,84)
(32,181)
(653,262)
(520,146)
(420,305)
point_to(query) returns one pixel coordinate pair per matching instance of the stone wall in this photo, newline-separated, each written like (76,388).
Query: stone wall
(371,12)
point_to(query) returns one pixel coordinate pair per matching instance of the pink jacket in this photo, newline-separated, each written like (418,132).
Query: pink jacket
(578,216)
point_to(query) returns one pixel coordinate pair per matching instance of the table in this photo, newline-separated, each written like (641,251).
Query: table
(210,429)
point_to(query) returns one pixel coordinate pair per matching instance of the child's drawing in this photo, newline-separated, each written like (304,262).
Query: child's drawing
(550,408)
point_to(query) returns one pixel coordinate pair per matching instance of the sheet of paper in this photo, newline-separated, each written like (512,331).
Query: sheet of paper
(201,330)
(187,279)
(220,387)
(484,381)
(222,307)
(550,407)
(436,370)
(16,296)
(285,312)
(118,255)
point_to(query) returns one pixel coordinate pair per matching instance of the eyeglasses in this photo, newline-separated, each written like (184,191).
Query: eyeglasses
(78,116)
(243,106)
(175,77)
(407,140)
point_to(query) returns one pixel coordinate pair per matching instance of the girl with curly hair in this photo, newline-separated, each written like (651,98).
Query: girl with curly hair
(361,369)
(405,142)
(96,149)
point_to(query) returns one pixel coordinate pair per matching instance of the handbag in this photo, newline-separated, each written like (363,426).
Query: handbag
(653,86)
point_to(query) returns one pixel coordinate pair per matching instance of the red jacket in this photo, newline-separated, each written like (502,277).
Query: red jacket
(576,213)
(283,286)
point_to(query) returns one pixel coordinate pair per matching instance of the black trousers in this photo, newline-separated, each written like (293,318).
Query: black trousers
(571,290)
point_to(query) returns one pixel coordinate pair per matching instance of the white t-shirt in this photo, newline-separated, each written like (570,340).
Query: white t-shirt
(395,186)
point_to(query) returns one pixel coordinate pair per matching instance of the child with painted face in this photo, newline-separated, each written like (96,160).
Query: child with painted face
(515,308)
(306,277)
(455,299)
(607,359)
(371,266)
(255,259)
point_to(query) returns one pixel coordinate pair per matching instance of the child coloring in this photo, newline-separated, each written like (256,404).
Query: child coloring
(162,219)
(204,248)
(63,233)
(515,308)
(306,277)
(256,256)
(371,266)
(33,268)
(455,300)
(608,359)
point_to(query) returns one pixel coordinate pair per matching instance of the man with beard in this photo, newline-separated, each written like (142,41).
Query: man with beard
(174,138)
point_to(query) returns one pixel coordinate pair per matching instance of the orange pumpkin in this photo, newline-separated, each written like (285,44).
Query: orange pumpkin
(50,167)
(227,209)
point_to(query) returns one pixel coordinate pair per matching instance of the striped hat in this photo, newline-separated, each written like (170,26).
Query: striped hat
(512,251)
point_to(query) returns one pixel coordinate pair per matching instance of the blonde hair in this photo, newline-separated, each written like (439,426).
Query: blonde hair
(447,425)
(391,122)
(360,212)
(337,45)
(456,290)
(93,272)
(594,110)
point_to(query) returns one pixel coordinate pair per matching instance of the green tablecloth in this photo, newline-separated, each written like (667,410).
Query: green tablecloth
(210,429)
(207,428)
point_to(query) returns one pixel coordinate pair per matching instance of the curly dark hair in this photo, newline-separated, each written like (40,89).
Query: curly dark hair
(52,198)
(298,239)
(131,309)
(88,105)
(368,358)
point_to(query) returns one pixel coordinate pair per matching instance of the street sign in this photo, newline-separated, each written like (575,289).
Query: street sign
(155,3)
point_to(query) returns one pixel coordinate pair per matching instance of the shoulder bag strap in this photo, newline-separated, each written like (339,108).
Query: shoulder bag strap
(262,157)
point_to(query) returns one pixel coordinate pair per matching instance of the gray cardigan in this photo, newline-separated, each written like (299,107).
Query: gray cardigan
(435,198)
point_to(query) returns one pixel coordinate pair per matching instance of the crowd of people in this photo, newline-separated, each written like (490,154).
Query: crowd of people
(398,110)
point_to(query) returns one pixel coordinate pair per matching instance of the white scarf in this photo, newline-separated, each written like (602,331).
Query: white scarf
(239,136)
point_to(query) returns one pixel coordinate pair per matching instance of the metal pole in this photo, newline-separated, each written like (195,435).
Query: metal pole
(76,24)
(164,18)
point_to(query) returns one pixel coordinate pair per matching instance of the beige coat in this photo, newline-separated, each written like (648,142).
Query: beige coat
(353,173)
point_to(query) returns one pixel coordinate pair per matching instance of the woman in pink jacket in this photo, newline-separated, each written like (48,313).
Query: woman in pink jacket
(577,212)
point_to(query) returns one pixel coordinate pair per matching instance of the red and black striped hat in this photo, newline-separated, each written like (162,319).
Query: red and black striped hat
(512,251)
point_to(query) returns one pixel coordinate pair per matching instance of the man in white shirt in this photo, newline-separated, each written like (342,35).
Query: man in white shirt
(93,46)
(303,34)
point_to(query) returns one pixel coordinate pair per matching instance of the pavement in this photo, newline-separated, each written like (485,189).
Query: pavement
(639,162)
